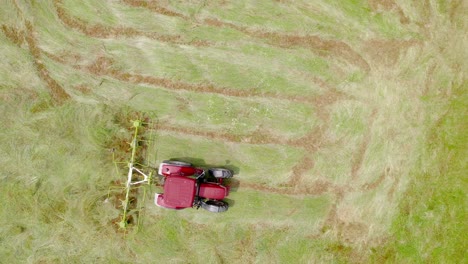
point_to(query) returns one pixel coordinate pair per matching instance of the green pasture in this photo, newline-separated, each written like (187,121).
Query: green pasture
(344,122)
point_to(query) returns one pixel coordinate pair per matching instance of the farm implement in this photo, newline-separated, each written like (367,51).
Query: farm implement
(138,176)
(184,184)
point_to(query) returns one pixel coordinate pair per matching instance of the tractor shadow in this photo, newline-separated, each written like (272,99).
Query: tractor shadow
(233,183)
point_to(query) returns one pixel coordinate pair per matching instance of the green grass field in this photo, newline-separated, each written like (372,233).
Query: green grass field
(344,121)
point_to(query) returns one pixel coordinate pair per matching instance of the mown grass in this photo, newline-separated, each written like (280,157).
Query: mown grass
(348,145)
(272,162)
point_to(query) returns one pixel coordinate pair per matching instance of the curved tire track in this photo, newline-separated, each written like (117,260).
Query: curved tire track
(361,153)
(311,142)
(283,40)
(57,92)
(319,187)
(101,31)
(389,5)
(373,185)
(254,138)
(104,67)
(154,7)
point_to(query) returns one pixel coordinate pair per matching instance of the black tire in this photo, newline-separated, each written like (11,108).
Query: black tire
(215,206)
(176,162)
(220,173)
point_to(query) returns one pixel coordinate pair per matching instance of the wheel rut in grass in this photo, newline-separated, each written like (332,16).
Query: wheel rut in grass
(155,7)
(333,220)
(361,152)
(103,66)
(386,53)
(18,37)
(312,142)
(319,187)
(314,43)
(393,188)
(374,184)
(388,5)
(102,31)
(284,40)
(303,166)
(254,138)
(315,140)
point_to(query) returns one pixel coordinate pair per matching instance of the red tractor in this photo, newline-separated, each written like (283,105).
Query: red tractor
(187,186)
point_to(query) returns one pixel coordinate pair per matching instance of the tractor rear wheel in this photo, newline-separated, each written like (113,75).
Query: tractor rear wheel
(220,173)
(215,206)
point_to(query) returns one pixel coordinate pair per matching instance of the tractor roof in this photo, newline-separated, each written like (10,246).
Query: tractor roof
(179,191)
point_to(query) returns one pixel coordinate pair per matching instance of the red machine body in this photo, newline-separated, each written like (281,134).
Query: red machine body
(187,186)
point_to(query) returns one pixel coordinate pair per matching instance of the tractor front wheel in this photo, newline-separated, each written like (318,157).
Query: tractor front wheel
(215,206)
(177,163)
(220,173)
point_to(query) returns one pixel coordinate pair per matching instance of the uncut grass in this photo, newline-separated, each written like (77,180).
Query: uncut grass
(53,186)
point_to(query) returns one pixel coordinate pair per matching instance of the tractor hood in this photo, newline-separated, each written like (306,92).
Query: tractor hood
(213,191)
